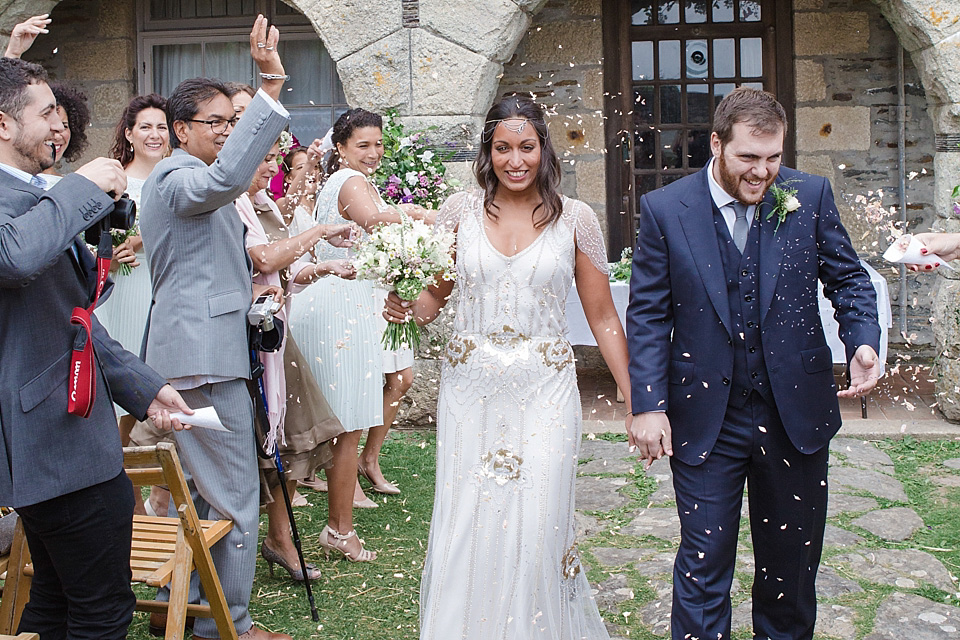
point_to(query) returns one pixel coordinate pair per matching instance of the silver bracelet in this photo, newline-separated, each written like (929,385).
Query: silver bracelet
(274,76)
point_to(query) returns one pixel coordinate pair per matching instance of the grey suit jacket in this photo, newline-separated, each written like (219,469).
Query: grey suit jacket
(194,243)
(45,271)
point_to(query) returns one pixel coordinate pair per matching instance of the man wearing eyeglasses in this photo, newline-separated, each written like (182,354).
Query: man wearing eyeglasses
(197,329)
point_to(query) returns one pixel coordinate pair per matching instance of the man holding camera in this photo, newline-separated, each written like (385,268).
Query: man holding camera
(202,290)
(61,470)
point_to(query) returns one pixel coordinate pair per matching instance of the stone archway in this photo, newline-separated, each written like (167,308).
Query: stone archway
(437,61)
(930,33)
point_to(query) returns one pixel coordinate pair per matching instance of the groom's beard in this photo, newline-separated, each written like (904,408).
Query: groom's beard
(731,183)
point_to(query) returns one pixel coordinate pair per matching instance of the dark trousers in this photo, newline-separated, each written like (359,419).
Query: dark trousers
(787,493)
(80,543)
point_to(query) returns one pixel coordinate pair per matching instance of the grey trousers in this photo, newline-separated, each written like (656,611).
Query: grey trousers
(221,470)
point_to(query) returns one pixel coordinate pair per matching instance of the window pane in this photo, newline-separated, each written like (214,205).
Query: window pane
(174,63)
(644,148)
(698,148)
(229,61)
(749,11)
(723,10)
(642,11)
(724,58)
(669,59)
(670,177)
(310,123)
(698,103)
(172,9)
(642,60)
(695,11)
(643,105)
(696,58)
(751,57)
(313,65)
(645,184)
(671,150)
(720,90)
(670,104)
(753,85)
(668,12)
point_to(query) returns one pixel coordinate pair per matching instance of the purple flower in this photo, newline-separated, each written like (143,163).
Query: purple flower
(956,208)
(424,181)
(420,193)
(392,191)
(406,199)
(394,179)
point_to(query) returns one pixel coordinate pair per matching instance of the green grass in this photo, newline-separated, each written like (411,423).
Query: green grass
(356,601)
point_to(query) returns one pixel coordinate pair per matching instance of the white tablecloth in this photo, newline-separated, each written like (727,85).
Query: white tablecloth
(578,331)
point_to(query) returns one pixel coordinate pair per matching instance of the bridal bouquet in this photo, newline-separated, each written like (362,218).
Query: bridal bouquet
(405,258)
(119,236)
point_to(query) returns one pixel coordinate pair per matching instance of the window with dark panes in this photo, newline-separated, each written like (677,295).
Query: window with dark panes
(668,65)
(182,39)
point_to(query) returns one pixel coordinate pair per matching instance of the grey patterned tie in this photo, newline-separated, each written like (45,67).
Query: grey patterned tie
(740,226)
(38,182)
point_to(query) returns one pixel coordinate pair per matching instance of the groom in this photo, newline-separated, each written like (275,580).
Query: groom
(730,371)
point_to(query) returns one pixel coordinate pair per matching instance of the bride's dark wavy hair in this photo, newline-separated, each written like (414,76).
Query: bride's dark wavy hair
(344,127)
(548,174)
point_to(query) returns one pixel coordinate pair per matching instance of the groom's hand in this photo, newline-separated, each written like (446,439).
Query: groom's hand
(650,436)
(864,373)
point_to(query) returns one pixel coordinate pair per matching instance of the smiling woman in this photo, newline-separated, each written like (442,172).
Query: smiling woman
(75,115)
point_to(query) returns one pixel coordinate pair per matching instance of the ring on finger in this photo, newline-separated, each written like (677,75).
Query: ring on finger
(260,45)
(269,48)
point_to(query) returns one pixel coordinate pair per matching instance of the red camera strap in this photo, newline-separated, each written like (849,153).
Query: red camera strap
(83,383)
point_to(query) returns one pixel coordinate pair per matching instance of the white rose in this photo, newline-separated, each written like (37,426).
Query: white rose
(405,142)
(791,204)
(412,178)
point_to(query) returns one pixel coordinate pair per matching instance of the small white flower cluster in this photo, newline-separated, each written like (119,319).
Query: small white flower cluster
(411,250)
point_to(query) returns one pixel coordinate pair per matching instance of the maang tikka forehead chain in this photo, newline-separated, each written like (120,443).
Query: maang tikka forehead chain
(517,128)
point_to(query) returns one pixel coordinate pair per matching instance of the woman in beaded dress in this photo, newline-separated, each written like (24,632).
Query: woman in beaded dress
(502,560)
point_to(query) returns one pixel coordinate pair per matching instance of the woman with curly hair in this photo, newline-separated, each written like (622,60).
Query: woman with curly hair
(69,144)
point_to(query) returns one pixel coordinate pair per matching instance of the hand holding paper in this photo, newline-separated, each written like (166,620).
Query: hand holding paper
(205,418)
(909,249)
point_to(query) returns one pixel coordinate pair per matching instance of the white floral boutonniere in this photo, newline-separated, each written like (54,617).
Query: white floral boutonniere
(784,202)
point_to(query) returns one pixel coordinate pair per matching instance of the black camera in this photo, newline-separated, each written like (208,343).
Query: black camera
(123,216)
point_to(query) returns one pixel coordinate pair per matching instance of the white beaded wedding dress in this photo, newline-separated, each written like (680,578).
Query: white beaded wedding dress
(502,561)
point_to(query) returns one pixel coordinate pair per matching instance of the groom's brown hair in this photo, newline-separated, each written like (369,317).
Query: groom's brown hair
(758,109)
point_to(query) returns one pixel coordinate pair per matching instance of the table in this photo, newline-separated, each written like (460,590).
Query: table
(578,331)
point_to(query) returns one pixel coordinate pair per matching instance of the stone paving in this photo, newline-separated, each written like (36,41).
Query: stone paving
(629,547)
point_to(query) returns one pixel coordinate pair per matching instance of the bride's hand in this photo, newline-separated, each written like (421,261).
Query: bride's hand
(396,309)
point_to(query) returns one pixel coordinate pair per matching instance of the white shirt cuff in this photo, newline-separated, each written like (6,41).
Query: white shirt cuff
(276,106)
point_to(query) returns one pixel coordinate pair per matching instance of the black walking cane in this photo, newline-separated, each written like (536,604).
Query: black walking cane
(258,394)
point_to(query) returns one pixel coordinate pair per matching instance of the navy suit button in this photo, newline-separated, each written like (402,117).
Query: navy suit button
(744,273)
(754,375)
(729,341)
(753,349)
(748,298)
(745,393)
(726,381)
(751,324)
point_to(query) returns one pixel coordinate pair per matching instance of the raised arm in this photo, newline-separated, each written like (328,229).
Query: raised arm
(25,34)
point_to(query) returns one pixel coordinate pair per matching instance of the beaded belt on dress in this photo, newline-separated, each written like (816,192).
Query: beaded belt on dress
(510,345)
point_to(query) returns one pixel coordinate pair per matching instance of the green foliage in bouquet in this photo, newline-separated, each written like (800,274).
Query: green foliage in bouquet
(412,171)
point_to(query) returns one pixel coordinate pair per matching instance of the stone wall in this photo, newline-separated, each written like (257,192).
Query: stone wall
(92,45)
(559,62)
(846,127)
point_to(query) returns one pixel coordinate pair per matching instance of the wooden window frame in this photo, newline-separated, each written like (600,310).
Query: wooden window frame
(618,32)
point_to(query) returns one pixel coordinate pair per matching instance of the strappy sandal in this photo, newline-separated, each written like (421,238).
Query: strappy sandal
(339,545)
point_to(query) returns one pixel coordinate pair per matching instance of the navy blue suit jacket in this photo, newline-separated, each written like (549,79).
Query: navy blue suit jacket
(679,327)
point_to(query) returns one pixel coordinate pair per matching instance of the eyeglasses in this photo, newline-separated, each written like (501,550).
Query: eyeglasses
(218,126)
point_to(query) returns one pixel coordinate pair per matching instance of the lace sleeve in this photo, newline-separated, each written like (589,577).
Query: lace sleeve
(448,217)
(589,237)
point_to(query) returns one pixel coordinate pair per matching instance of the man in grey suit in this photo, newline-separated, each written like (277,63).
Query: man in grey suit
(202,290)
(62,472)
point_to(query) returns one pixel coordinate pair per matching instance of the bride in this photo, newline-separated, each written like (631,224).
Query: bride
(502,560)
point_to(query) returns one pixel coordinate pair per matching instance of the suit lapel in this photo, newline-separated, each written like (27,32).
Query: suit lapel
(772,242)
(699,228)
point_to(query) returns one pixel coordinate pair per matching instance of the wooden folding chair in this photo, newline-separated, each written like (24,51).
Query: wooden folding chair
(165,551)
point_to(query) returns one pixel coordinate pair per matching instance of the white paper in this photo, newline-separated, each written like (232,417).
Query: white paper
(906,250)
(204,417)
